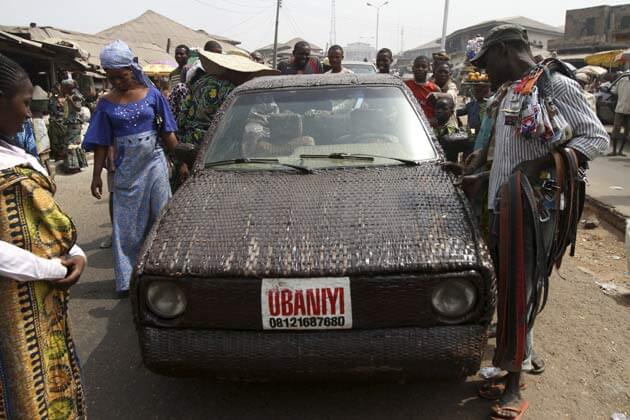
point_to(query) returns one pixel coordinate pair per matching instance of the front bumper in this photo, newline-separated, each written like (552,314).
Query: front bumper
(397,353)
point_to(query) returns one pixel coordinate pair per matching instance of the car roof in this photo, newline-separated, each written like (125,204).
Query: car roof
(318,80)
(365,63)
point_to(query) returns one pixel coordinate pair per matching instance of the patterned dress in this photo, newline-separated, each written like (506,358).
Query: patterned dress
(141,185)
(65,133)
(39,368)
(197,112)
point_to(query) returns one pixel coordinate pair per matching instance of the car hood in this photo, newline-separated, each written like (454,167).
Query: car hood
(334,222)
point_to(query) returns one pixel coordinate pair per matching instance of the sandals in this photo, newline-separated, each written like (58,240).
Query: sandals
(518,411)
(493,390)
(538,364)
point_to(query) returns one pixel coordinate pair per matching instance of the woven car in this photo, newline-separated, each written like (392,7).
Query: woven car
(318,236)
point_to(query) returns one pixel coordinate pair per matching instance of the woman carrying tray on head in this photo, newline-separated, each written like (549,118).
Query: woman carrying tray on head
(136,119)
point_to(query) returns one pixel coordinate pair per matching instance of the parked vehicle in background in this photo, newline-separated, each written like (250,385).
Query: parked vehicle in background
(360,67)
(318,237)
(607,101)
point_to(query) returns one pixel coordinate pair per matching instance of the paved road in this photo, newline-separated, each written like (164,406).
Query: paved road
(118,385)
(606,176)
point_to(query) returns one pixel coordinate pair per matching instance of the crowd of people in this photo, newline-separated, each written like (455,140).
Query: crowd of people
(510,130)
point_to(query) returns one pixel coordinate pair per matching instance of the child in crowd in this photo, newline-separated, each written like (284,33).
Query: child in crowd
(475,110)
(452,139)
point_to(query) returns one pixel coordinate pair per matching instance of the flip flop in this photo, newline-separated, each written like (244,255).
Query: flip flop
(493,390)
(519,411)
(538,364)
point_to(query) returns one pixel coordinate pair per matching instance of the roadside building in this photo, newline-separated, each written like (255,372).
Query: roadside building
(165,33)
(405,60)
(591,30)
(89,45)
(285,50)
(359,51)
(48,53)
(540,34)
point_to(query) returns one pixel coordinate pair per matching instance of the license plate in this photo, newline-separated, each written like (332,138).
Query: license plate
(322,303)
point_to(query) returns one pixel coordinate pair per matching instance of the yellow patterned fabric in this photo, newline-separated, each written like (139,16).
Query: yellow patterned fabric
(39,370)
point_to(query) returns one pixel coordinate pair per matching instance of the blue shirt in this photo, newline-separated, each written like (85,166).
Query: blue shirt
(112,120)
(25,139)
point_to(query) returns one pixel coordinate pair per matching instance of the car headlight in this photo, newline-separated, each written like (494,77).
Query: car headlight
(454,298)
(166,299)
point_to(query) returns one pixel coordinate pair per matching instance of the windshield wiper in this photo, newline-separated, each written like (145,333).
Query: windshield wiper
(342,156)
(302,169)
(361,156)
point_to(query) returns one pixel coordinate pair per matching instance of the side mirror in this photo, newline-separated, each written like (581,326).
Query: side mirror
(186,153)
(605,89)
(456,139)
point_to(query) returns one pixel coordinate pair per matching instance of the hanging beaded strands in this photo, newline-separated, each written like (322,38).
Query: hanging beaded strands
(531,109)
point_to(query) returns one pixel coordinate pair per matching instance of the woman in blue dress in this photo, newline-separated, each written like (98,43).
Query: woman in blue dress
(136,120)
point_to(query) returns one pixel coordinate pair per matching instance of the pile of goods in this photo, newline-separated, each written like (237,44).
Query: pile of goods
(476,77)
(473,46)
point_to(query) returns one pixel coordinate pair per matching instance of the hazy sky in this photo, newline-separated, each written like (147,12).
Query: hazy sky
(251,21)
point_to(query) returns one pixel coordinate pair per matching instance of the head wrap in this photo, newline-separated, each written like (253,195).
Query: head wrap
(118,55)
(69,82)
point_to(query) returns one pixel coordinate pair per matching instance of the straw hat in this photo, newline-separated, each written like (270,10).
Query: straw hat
(214,63)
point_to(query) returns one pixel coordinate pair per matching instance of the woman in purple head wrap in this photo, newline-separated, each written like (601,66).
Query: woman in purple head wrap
(136,120)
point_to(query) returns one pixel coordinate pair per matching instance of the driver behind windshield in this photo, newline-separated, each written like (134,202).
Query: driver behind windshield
(268,132)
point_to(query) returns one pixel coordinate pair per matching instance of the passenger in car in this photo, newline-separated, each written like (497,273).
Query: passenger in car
(274,134)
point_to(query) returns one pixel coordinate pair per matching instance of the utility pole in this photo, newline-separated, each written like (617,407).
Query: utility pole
(275,38)
(444,25)
(378,13)
(332,39)
(402,39)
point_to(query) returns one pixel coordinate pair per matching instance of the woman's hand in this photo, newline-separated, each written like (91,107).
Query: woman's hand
(97,187)
(184,172)
(75,266)
(170,141)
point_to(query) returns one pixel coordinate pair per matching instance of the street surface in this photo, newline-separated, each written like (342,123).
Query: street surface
(609,182)
(582,334)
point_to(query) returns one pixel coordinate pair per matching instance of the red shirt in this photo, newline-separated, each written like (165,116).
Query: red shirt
(421,91)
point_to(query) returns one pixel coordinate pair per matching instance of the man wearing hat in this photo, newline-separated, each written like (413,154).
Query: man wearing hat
(222,73)
(537,112)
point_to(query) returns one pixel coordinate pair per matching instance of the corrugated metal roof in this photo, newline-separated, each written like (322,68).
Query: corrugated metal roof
(534,24)
(89,45)
(290,44)
(152,27)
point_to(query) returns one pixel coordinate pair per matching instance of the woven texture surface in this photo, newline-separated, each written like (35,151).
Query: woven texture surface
(441,352)
(330,223)
(377,302)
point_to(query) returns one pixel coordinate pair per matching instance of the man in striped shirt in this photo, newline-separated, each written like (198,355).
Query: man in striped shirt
(526,146)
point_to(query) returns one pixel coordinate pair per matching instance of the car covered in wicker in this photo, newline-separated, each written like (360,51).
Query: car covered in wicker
(318,236)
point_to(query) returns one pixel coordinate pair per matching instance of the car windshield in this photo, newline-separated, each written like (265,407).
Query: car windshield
(359,68)
(318,128)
